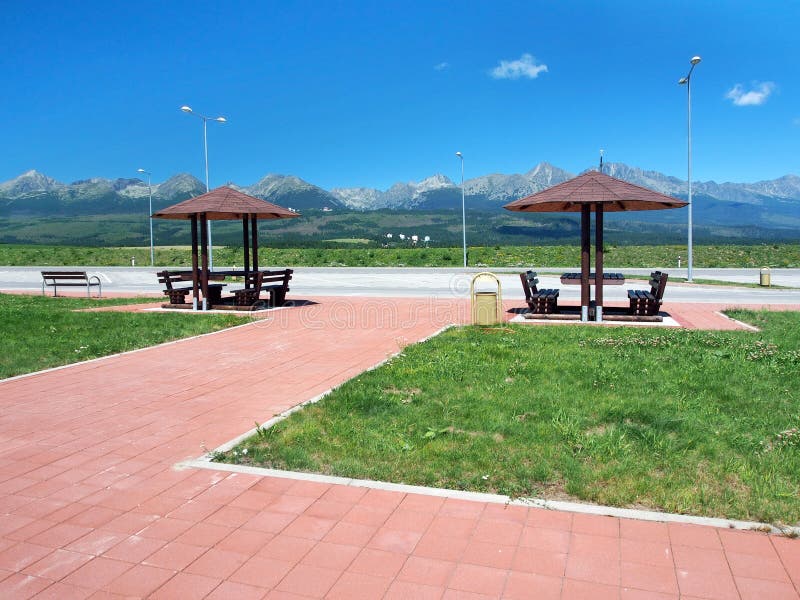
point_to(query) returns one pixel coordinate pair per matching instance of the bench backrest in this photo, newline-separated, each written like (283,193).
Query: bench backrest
(168,278)
(284,276)
(658,281)
(65,275)
(529,283)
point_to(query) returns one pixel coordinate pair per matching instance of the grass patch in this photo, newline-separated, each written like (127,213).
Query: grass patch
(692,422)
(42,332)
(664,256)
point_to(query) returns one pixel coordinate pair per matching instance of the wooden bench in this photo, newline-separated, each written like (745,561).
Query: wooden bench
(54,279)
(176,295)
(539,301)
(648,302)
(276,283)
(251,292)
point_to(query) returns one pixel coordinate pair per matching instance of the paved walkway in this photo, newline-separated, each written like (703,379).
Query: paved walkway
(91,505)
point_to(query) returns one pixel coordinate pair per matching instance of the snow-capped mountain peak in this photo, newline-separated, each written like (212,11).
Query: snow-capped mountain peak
(30,182)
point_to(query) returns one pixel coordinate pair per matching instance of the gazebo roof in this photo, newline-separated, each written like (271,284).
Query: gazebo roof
(225,204)
(594,187)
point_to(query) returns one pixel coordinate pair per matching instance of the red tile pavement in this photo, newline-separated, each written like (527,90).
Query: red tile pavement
(92,504)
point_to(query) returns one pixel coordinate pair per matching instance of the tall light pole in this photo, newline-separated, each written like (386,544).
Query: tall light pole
(206,119)
(687,81)
(150,192)
(463,209)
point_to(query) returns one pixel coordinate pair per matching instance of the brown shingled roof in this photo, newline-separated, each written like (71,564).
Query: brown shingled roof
(594,187)
(225,203)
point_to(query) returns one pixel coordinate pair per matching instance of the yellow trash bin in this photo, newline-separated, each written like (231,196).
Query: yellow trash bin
(486,305)
(764,279)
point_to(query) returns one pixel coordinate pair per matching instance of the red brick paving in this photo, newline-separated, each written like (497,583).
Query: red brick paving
(92,506)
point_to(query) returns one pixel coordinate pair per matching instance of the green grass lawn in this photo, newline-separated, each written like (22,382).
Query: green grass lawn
(41,332)
(682,421)
(663,256)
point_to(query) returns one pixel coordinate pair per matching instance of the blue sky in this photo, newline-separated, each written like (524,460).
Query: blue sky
(346,94)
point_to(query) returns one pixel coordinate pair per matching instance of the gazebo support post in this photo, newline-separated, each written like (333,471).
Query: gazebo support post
(586,215)
(598,262)
(204,258)
(246,246)
(195,279)
(254,233)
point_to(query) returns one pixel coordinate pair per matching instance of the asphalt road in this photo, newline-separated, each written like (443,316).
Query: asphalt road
(439,282)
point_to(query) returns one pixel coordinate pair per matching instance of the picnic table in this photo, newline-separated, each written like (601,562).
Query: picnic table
(592,309)
(276,283)
(608,278)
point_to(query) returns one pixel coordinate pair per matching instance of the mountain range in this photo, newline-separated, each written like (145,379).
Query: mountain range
(770,204)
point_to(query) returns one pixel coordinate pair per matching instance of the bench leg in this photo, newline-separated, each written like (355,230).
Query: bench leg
(176,296)
(246,297)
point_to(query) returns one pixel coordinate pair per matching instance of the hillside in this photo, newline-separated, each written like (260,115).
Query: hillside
(36,208)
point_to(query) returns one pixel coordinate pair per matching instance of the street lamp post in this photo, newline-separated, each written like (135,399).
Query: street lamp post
(463,209)
(687,81)
(206,119)
(150,192)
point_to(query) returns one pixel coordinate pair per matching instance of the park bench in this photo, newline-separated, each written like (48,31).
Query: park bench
(276,283)
(251,292)
(54,279)
(543,301)
(177,295)
(648,302)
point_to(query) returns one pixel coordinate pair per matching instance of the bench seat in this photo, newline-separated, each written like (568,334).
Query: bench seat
(54,279)
(275,283)
(648,302)
(544,301)
(177,295)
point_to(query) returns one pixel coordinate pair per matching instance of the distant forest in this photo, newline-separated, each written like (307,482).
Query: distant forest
(317,228)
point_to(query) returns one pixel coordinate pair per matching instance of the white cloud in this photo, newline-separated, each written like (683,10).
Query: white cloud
(441,66)
(524,66)
(755,97)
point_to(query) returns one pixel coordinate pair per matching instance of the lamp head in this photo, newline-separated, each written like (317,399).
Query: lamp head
(186,109)
(683,81)
(141,171)
(221,119)
(459,155)
(695,60)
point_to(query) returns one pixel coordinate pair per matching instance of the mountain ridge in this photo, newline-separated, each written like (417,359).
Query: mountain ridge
(773,203)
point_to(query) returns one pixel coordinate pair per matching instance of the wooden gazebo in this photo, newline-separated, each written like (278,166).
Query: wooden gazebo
(222,204)
(598,192)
